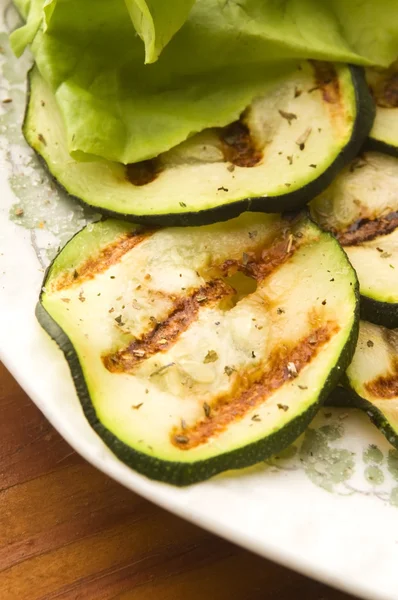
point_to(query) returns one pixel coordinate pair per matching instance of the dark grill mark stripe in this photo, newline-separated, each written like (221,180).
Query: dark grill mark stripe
(143,172)
(365,230)
(166,333)
(385,387)
(259,268)
(108,256)
(238,145)
(271,258)
(327,81)
(384,86)
(185,310)
(253,389)
(388,98)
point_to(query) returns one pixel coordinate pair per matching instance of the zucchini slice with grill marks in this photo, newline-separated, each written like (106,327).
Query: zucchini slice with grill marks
(361,209)
(383,84)
(285,149)
(371,381)
(202,349)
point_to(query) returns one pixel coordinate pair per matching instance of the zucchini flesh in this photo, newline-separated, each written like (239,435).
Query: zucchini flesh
(383,84)
(199,350)
(285,149)
(361,209)
(371,381)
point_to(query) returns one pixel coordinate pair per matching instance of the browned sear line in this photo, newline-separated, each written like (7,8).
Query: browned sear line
(259,268)
(272,258)
(253,389)
(389,98)
(384,87)
(143,172)
(167,332)
(365,230)
(327,81)
(108,256)
(238,146)
(385,387)
(258,265)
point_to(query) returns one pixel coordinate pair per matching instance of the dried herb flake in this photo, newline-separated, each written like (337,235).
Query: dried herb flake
(210,357)
(288,116)
(207,409)
(229,370)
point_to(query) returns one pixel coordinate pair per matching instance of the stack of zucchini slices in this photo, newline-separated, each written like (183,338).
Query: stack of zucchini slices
(360,208)
(210,347)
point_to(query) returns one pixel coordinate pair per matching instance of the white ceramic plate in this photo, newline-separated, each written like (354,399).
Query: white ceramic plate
(329,508)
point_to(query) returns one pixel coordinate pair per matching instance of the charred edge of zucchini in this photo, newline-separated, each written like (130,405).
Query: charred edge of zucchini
(179,473)
(290,201)
(344,396)
(375,145)
(379,313)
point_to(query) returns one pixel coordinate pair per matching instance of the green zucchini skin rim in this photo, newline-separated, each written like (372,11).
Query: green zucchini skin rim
(365,115)
(376,311)
(180,473)
(375,145)
(379,313)
(344,396)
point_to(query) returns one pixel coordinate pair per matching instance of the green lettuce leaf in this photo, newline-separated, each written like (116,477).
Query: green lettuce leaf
(116,107)
(156,22)
(32,11)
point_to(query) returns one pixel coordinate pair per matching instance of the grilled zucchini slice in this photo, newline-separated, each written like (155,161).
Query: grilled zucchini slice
(361,209)
(202,349)
(285,149)
(371,381)
(383,84)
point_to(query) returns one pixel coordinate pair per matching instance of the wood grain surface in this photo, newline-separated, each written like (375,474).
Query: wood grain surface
(68,532)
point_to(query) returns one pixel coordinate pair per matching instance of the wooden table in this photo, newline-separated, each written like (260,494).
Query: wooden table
(67,532)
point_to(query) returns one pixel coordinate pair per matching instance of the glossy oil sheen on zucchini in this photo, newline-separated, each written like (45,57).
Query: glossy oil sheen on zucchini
(202,349)
(371,381)
(361,209)
(285,149)
(384,88)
